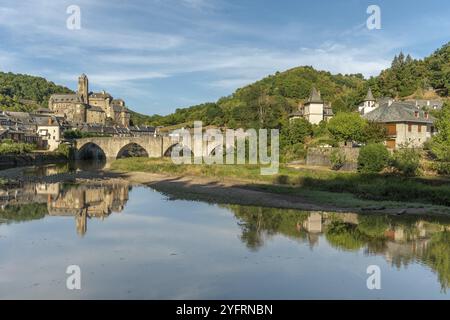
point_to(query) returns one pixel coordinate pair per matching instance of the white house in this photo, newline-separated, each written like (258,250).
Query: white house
(50,132)
(314,110)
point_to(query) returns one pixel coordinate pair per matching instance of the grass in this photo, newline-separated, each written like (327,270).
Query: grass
(341,187)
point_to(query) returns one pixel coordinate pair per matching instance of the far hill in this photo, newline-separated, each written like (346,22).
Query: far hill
(268,102)
(21,92)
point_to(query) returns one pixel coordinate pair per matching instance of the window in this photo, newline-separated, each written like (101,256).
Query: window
(419,128)
(391,129)
(409,127)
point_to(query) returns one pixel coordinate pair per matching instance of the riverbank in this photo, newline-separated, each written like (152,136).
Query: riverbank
(28,159)
(244,189)
(295,188)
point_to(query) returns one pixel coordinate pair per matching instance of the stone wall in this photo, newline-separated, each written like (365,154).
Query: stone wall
(321,157)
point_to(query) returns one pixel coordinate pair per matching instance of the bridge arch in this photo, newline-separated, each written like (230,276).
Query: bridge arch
(91,150)
(167,152)
(132,149)
(215,147)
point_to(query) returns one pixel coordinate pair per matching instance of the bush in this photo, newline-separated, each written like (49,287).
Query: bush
(373,158)
(337,159)
(293,152)
(442,167)
(9,147)
(64,150)
(406,161)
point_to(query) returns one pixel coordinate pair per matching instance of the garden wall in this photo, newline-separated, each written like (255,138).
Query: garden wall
(321,157)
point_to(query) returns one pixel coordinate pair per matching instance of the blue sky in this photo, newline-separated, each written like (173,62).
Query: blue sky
(159,55)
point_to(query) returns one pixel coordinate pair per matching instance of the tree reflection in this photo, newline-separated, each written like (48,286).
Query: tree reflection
(400,240)
(258,224)
(437,256)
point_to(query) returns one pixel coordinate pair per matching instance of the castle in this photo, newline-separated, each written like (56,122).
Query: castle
(88,107)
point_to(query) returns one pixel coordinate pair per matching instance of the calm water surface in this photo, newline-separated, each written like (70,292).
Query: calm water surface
(134,243)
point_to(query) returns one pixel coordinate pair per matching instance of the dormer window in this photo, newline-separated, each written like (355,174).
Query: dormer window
(426,115)
(416,114)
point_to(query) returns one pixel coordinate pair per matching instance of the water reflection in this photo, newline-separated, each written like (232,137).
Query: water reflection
(401,240)
(83,201)
(67,167)
(203,232)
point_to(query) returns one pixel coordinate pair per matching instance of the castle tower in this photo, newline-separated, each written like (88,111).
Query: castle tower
(369,103)
(314,107)
(83,88)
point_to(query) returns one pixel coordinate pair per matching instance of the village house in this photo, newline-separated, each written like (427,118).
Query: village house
(315,109)
(49,129)
(407,125)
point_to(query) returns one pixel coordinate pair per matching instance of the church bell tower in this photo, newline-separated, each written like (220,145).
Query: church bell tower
(83,88)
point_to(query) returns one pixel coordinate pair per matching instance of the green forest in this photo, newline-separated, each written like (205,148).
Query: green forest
(19,92)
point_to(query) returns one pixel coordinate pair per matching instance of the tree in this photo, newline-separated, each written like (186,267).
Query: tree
(406,161)
(347,126)
(296,131)
(440,143)
(373,132)
(373,158)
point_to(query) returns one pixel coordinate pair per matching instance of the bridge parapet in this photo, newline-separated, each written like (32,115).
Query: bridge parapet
(155,146)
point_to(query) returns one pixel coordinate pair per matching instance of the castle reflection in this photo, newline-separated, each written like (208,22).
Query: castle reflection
(82,201)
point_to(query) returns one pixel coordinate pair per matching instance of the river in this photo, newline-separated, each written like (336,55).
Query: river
(133,242)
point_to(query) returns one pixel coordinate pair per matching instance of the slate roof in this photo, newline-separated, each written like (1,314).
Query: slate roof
(101,95)
(399,112)
(369,95)
(73,98)
(314,96)
(431,104)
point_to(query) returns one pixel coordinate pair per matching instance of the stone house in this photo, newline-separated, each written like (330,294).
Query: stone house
(406,124)
(49,129)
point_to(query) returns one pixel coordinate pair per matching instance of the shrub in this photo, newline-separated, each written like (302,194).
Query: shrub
(9,147)
(337,159)
(293,152)
(442,167)
(406,161)
(64,150)
(373,158)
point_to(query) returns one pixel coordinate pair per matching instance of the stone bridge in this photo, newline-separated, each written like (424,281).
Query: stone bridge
(154,146)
